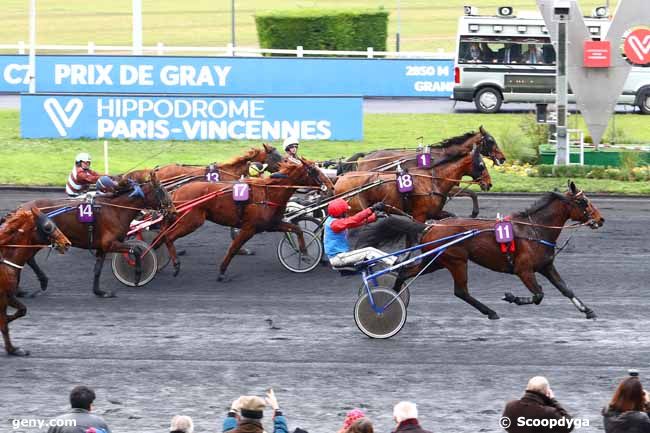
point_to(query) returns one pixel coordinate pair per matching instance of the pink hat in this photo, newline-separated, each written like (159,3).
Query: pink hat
(351,417)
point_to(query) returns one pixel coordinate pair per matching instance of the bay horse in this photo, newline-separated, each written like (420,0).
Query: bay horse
(113,215)
(21,234)
(264,211)
(231,170)
(486,143)
(378,159)
(430,192)
(536,231)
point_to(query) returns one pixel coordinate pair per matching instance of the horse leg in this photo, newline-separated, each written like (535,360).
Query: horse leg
(4,328)
(42,278)
(242,251)
(458,270)
(176,263)
(242,237)
(21,309)
(99,264)
(528,278)
(554,277)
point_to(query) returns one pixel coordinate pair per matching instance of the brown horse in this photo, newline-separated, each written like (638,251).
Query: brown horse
(264,211)
(112,216)
(535,230)
(231,170)
(430,192)
(486,143)
(20,236)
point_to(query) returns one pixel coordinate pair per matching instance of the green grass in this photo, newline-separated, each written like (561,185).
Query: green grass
(425,25)
(47,162)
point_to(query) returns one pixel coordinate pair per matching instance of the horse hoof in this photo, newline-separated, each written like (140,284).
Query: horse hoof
(44,283)
(20,293)
(245,252)
(105,295)
(509,297)
(591,315)
(223,278)
(181,252)
(493,316)
(17,351)
(177,270)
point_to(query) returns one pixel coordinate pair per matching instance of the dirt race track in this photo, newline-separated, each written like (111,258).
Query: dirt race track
(191,345)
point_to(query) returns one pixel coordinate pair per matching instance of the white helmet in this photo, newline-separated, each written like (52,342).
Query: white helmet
(83,156)
(290,141)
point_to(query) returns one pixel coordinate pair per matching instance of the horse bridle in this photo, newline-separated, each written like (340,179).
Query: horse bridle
(314,173)
(486,147)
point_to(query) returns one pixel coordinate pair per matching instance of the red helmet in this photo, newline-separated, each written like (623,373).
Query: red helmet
(337,208)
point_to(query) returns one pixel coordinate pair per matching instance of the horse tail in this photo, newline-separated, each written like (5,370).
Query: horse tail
(389,230)
(355,157)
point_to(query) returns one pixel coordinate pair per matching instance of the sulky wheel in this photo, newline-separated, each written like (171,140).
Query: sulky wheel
(290,256)
(162,254)
(378,319)
(405,295)
(124,264)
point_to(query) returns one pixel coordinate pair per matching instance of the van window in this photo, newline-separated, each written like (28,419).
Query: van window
(510,51)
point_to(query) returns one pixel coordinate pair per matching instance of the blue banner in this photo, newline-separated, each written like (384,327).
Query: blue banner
(231,76)
(190,118)
(14,74)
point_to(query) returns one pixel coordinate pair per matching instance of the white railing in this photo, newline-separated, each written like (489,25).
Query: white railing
(161,49)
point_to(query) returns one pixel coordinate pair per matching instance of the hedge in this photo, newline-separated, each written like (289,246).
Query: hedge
(317,29)
(638,174)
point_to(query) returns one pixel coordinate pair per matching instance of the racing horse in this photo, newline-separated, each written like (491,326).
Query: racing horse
(486,143)
(231,170)
(429,194)
(377,160)
(21,236)
(112,217)
(536,231)
(264,211)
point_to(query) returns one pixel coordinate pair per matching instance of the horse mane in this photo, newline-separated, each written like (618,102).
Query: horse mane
(250,154)
(9,218)
(454,141)
(541,203)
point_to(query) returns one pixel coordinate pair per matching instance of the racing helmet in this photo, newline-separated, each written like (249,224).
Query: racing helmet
(105,184)
(82,157)
(337,208)
(290,141)
(256,169)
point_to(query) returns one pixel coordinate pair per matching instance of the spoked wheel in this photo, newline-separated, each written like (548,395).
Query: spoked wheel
(124,268)
(162,253)
(378,319)
(405,295)
(293,259)
(308,223)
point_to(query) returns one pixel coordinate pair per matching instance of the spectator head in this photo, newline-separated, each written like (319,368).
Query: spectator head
(82,397)
(628,396)
(539,384)
(181,424)
(362,425)
(350,418)
(251,407)
(404,410)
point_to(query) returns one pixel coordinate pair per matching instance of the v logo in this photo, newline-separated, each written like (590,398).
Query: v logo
(640,48)
(63,118)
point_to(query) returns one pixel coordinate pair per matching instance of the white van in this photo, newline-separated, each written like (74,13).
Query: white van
(507,58)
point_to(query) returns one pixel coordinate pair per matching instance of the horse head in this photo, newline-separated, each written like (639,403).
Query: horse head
(156,196)
(479,171)
(489,147)
(49,232)
(271,157)
(307,174)
(581,208)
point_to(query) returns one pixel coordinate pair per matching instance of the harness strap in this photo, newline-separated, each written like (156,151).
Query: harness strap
(11,264)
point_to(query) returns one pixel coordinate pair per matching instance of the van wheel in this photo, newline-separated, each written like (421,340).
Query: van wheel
(488,100)
(644,102)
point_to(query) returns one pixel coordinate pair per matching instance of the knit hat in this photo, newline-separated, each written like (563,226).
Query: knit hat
(351,417)
(251,406)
